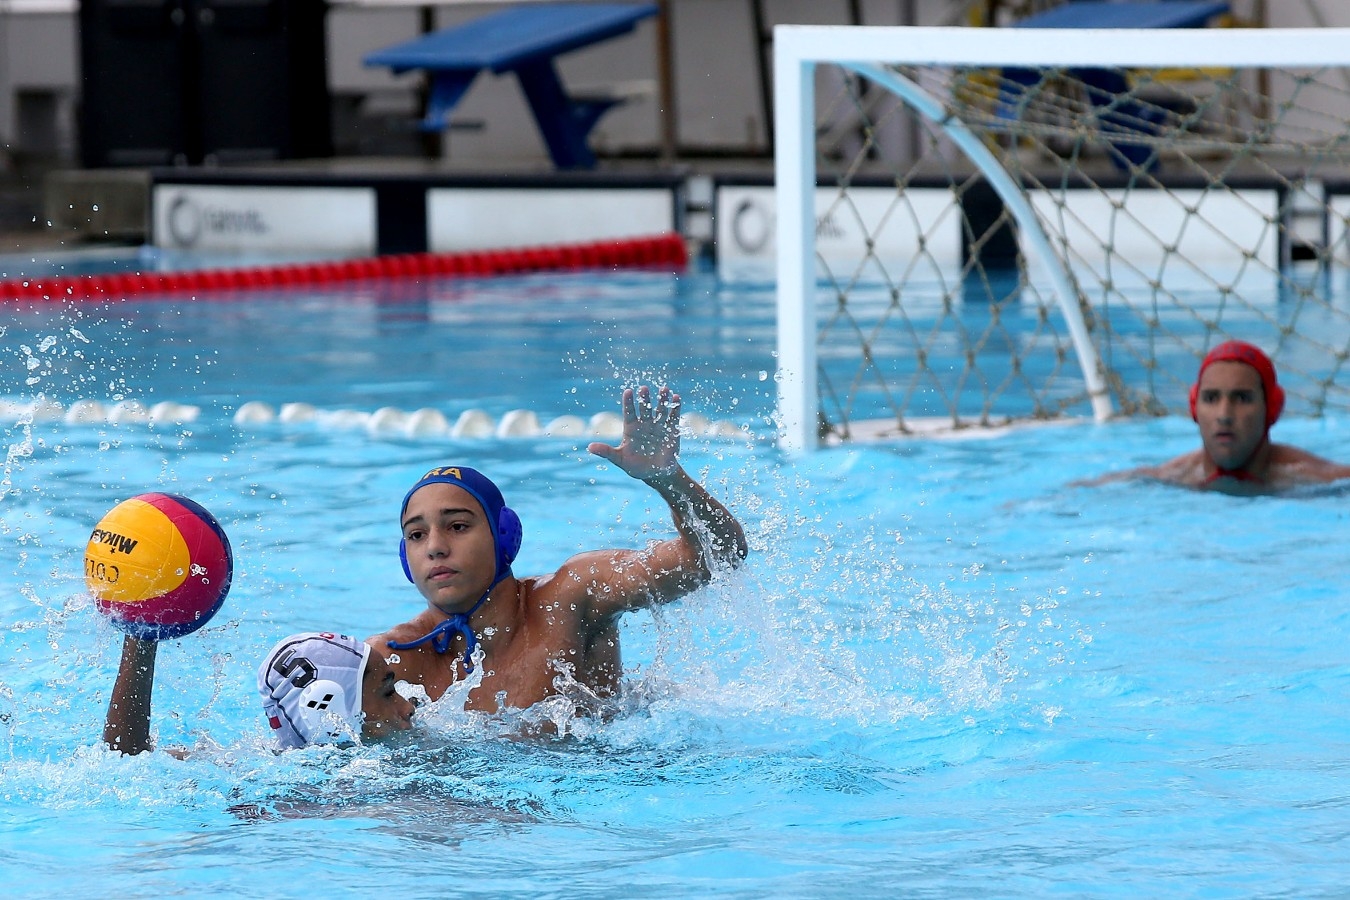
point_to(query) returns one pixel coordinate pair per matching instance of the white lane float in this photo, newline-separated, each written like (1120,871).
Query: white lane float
(387,421)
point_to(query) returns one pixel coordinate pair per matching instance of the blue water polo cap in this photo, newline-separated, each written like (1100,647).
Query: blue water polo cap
(505,524)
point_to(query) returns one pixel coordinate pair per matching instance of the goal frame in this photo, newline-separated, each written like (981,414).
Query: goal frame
(866,50)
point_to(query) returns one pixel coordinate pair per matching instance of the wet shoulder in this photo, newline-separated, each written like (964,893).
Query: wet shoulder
(1293,466)
(404,632)
(555,594)
(1187,470)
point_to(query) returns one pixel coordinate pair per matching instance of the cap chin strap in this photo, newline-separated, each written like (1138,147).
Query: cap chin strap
(1237,474)
(441,636)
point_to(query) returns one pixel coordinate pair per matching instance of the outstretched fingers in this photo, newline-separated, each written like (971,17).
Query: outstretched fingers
(650,433)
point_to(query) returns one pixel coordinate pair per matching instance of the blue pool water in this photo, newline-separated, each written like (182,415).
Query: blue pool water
(944,671)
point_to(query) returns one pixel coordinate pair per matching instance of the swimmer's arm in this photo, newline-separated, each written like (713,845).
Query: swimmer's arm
(650,452)
(615,581)
(709,535)
(1110,477)
(706,527)
(127,726)
(1185,469)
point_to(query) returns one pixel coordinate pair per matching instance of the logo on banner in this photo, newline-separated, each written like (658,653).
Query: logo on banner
(188,221)
(751,226)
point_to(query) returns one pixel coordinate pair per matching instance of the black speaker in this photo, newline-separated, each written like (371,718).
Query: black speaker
(136,70)
(175,82)
(264,79)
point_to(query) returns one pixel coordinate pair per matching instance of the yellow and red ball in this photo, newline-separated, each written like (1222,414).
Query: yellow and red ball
(159,565)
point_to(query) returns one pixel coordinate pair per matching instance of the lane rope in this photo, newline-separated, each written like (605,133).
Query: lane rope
(661,252)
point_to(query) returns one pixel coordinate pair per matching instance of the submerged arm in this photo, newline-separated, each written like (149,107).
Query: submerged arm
(127,726)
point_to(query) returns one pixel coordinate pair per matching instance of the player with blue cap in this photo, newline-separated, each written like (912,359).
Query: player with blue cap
(506,537)
(522,636)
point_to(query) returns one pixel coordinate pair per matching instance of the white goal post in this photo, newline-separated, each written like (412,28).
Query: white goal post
(893,59)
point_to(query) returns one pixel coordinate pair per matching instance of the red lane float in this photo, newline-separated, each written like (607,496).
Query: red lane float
(667,251)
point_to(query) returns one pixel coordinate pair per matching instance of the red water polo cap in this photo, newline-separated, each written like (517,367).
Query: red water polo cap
(1249,354)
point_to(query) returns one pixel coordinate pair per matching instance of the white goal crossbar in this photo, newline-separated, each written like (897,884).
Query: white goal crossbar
(870,52)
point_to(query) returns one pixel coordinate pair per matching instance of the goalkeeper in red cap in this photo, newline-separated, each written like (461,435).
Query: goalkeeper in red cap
(1235,400)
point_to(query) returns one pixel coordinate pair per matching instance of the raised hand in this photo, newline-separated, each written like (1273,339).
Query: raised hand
(651,435)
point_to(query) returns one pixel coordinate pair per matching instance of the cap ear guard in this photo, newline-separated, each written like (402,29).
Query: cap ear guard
(509,534)
(1274,404)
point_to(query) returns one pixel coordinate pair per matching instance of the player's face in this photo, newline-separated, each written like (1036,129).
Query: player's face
(1230,408)
(451,552)
(386,711)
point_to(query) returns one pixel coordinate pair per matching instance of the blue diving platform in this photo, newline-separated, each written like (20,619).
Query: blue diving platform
(524,40)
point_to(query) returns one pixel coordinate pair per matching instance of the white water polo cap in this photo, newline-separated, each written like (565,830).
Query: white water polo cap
(311,688)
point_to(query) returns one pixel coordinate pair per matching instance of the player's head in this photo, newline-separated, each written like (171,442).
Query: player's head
(1250,355)
(501,519)
(320,687)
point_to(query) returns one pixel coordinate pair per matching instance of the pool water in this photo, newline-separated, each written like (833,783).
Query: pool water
(943,672)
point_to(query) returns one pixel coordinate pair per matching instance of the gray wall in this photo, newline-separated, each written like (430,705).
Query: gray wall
(715,75)
(39,77)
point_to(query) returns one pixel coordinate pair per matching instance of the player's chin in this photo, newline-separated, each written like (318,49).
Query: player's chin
(1230,457)
(449,602)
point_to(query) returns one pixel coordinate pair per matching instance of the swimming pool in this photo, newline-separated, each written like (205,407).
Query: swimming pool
(943,672)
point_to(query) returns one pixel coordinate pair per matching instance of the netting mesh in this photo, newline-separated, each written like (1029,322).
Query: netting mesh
(1186,206)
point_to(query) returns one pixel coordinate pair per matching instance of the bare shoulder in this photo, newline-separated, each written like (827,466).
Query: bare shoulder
(403,633)
(1295,464)
(574,577)
(1187,469)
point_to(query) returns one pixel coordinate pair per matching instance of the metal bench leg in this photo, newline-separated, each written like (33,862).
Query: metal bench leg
(447,88)
(555,112)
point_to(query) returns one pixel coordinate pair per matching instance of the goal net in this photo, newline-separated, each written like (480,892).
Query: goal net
(978,226)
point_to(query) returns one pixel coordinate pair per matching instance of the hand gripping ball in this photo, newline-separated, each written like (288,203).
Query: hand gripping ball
(159,566)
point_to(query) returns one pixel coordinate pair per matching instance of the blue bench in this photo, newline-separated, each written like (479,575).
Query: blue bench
(1105,86)
(1127,14)
(524,40)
